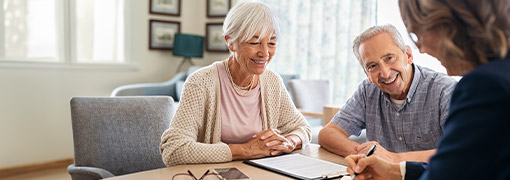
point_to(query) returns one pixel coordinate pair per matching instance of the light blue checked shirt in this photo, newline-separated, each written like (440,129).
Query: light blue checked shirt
(416,125)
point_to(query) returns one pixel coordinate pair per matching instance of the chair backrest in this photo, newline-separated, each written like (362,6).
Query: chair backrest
(287,77)
(120,134)
(310,95)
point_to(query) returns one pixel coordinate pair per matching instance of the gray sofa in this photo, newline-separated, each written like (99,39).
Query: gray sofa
(172,87)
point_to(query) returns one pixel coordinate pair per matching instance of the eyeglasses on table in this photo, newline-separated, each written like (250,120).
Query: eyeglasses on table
(190,176)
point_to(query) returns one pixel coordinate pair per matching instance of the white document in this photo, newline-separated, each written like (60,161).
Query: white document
(301,166)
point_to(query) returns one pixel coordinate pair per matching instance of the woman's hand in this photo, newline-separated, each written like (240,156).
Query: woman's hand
(372,167)
(268,142)
(255,148)
(259,146)
(277,143)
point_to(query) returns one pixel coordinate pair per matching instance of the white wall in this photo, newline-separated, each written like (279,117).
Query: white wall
(35,119)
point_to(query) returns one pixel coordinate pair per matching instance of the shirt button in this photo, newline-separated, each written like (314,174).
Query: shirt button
(398,114)
(400,138)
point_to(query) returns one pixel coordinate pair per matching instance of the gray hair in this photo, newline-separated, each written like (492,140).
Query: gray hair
(248,18)
(375,30)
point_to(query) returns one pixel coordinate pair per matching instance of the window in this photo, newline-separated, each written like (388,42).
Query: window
(99,31)
(62,31)
(28,30)
(388,12)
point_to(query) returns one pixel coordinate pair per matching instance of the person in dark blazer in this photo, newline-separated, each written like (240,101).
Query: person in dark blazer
(470,38)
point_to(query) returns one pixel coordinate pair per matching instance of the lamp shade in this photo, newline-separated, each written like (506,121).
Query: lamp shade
(188,45)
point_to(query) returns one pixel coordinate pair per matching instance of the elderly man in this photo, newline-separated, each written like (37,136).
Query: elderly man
(401,105)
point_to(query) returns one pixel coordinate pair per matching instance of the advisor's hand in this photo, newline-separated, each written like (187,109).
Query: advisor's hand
(372,167)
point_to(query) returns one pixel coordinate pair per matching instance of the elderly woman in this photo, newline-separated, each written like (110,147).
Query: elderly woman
(236,109)
(470,38)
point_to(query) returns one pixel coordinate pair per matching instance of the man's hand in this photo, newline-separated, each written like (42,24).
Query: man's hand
(380,152)
(372,167)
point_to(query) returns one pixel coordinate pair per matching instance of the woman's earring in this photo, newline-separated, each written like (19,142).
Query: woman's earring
(231,47)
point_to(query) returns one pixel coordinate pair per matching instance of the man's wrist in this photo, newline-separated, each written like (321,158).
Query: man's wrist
(398,157)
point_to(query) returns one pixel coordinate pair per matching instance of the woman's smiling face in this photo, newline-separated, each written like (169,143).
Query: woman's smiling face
(254,54)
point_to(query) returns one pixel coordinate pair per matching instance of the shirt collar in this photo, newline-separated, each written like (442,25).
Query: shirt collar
(414,83)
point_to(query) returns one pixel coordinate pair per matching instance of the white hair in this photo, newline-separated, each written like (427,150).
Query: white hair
(247,19)
(375,30)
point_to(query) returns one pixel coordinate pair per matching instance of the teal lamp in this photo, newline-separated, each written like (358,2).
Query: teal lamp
(188,46)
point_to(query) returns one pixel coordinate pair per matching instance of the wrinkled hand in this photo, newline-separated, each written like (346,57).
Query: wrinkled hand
(372,167)
(275,142)
(265,143)
(256,148)
(380,152)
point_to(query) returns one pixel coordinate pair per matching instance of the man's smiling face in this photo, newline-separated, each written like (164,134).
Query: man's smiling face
(386,65)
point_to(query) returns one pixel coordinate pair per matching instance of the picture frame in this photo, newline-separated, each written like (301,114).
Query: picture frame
(233,3)
(162,33)
(217,8)
(214,40)
(165,7)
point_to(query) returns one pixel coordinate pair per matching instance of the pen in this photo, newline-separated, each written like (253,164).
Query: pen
(369,153)
(333,176)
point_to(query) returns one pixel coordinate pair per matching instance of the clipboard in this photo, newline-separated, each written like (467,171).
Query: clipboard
(300,166)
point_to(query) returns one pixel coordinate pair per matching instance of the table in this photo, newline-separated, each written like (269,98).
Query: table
(313,150)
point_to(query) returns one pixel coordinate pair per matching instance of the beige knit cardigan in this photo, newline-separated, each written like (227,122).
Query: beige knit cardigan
(194,135)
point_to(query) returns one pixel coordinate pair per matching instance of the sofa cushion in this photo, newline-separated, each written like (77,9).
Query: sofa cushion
(178,89)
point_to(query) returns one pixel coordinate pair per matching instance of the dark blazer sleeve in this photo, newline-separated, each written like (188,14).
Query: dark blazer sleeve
(476,144)
(414,170)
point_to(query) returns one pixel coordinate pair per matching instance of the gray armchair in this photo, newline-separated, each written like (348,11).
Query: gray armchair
(172,87)
(117,135)
(310,97)
(287,77)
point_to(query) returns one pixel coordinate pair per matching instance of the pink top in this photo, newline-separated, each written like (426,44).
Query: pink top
(240,115)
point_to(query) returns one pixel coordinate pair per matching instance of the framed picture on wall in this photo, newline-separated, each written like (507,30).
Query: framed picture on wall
(217,8)
(161,34)
(214,40)
(165,7)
